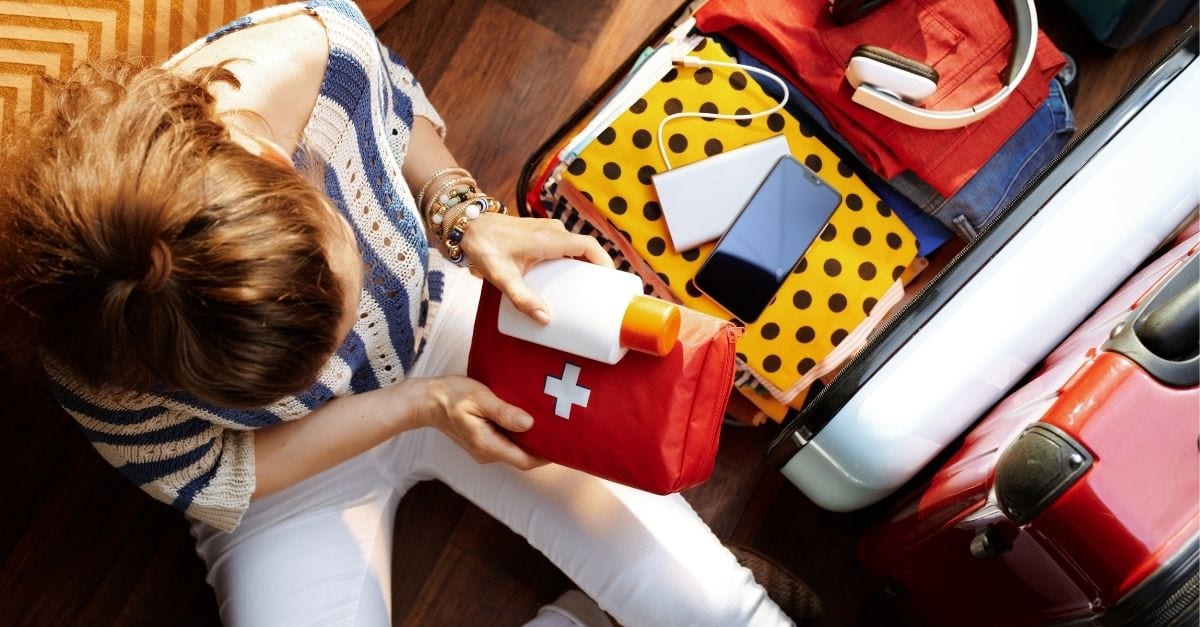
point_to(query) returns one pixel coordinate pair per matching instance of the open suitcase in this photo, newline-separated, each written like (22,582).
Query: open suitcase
(996,310)
(1074,499)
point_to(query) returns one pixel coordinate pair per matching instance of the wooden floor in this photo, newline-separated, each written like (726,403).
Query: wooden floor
(80,546)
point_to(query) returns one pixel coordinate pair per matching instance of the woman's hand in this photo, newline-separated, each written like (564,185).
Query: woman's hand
(468,412)
(502,248)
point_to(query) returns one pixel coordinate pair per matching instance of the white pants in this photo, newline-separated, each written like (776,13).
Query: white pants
(319,553)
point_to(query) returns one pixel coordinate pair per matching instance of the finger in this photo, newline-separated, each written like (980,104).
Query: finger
(524,299)
(575,245)
(500,448)
(506,415)
(596,254)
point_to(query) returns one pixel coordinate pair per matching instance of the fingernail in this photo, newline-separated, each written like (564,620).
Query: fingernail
(525,422)
(541,316)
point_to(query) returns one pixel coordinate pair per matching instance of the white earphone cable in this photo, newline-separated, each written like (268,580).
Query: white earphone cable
(690,61)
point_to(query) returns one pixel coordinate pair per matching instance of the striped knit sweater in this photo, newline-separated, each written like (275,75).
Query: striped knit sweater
(199,457)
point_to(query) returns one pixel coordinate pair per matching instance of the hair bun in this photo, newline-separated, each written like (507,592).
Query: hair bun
(160,268)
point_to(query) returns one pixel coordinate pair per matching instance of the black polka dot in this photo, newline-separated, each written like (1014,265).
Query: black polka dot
(740,356)
(804,131)
(883,209)
(656,246)
(837,336)
(802,299)
(664,278)
(828,233)
(771,363)
(837,303)
(869,305)
(678,143)
(642,138)
(775,122)
(704,75)
(805,365)
(813,162)
(617,205)
(652,211)
(769,331)
(700,46)
(805,334)
(833,267)
(862,236)
(626,235)
(893,241)
(672,106)
(743,111)
(844,169)
(713,147)
(639,106)
(853,202)
(608,136)
(612,171)
(801,267)
(671,75)
(577,167)
(710,109)
(897,272)
(588,196)
(644,174)
(738,81)
(691,255)
(866,271)
(692,290)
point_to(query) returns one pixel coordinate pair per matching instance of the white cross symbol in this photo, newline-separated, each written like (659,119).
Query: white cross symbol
(567,391)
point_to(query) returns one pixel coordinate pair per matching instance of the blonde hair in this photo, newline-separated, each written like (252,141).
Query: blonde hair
(142,247)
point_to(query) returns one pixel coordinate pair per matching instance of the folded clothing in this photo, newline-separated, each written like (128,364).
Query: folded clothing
(930,233)
(1039,140)
(931,216)
(967,42)
(832,296)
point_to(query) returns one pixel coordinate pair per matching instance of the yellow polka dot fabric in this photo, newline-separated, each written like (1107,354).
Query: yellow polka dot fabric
(858,257)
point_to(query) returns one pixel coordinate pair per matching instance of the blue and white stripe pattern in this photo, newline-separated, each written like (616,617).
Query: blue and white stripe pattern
(200,458)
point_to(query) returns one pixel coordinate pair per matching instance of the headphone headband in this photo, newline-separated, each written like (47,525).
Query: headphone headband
(1025,29)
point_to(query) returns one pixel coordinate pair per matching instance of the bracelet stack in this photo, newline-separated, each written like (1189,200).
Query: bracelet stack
(456,202)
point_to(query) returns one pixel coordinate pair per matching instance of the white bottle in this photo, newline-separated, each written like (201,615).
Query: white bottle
(595,312)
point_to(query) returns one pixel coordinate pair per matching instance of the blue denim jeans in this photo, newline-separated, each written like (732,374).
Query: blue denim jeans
(1032,147)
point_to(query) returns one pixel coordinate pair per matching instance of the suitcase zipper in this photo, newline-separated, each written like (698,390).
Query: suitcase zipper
(715,418)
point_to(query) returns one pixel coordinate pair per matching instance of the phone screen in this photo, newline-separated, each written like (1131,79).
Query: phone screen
(767,239)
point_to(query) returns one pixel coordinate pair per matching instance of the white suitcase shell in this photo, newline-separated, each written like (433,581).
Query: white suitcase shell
(1073,237)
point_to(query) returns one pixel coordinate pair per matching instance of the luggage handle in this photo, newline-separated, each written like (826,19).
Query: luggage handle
(1162,335)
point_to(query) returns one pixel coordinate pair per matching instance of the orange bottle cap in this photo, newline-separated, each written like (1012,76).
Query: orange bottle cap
(650,326)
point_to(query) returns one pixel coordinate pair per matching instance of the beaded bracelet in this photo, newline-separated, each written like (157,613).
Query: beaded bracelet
(452,237)
(434,177)
(443,194)
(444,202)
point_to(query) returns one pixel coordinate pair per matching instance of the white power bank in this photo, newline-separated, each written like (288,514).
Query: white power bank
(700,200)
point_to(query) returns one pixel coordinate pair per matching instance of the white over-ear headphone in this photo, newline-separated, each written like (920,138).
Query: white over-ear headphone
(893,85)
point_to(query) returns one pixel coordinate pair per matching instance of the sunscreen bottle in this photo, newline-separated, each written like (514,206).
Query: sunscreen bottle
(595,312)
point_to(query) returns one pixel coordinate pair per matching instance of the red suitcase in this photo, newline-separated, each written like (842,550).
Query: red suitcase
(1075,500)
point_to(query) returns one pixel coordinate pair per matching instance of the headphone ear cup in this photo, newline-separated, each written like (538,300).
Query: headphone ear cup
(893,73)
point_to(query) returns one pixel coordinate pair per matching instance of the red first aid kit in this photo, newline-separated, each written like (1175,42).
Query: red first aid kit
(649,422)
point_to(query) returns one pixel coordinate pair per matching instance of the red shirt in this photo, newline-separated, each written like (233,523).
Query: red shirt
(968,42)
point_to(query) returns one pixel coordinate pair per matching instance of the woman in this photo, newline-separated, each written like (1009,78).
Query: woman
(282,364)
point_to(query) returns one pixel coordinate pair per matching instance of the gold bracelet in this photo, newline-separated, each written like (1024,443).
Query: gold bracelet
(453,198)
(434,177)
(442,195)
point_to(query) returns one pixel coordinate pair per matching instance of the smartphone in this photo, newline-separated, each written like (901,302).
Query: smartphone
(787,212)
